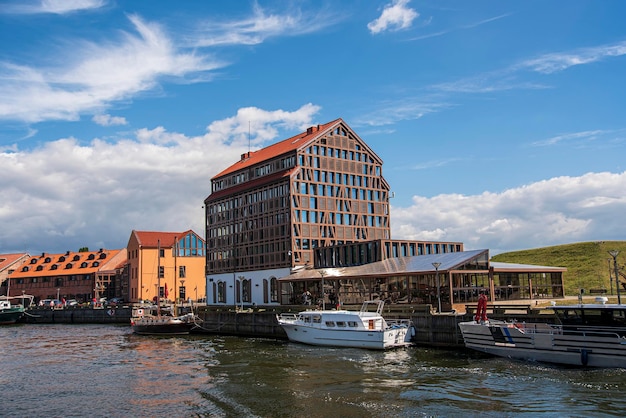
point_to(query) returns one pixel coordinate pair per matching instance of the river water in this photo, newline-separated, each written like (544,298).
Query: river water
(106,371)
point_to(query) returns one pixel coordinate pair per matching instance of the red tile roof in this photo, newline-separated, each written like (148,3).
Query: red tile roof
(68,263)
(279,148)
(6,260)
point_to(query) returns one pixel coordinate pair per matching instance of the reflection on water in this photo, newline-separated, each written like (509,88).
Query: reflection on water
(97,370)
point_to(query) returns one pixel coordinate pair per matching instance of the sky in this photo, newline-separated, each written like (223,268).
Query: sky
(500,123)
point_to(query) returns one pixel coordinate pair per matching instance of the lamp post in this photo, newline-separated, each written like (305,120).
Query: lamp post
(610,276)
(436,266)
(323,273)
(614,254)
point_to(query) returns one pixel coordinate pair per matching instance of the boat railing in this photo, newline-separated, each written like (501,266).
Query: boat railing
(541,328)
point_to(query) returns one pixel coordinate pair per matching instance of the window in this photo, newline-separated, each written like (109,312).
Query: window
(161,272)
(182,272)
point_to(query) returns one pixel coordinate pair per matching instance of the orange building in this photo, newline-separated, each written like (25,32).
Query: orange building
(170,263)
(80,275)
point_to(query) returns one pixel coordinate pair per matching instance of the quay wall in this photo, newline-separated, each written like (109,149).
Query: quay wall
(78,315)
(430,329)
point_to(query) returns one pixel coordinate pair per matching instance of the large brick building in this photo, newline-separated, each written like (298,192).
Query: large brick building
(82,275)
(270,212)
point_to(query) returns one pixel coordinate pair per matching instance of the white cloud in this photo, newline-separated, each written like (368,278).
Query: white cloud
(66,195)
(556,211)
(555,62)
(96,74)
(108,120)
(52,6)
(395,16)
(260,26)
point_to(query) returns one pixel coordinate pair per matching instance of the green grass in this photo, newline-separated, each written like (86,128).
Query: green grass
(586,262)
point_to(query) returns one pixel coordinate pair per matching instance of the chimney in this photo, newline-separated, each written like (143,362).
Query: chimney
(309,130)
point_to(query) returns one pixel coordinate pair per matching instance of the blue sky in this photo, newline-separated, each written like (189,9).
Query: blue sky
(500,124)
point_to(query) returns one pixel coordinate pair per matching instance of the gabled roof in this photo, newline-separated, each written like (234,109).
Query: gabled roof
(7,260)
(393,266)
(280,148)
(69,263)
(154,239)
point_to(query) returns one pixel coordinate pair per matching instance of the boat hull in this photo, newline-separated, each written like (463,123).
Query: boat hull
(10,316)
(373,340)
(162,326)
(544,344)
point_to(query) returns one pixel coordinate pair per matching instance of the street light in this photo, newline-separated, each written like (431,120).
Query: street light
(610,276)
(614,254)
(436,266)
(323,273)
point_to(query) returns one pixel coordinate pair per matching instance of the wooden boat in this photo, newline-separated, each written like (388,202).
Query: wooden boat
(342,328)
(147,324)
(591,335)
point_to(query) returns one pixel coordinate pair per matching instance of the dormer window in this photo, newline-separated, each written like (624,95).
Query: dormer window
(33,261)
(39,268)
(25,268)
(91,257)
(68,266)
(76,257)
(83,264)
(103,256)
(47,260)
(61,259)
(54,267)
(95,264)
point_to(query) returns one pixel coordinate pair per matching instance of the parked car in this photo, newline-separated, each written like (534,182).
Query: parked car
(50,303)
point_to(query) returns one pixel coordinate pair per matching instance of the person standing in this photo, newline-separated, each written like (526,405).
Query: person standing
(481,308)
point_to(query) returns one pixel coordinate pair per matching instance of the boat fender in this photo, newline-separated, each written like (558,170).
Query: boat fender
(584,357)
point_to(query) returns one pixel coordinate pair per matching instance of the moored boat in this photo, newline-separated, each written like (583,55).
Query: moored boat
(343,328)
(10,314)
(592,335)
(143,321)
(148,324)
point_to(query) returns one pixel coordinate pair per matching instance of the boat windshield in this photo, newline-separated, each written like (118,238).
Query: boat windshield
(604,317)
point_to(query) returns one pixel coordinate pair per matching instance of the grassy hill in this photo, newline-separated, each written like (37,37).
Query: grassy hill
(586,262)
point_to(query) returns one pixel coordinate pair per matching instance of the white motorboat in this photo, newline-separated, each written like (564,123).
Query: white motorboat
(592,335)
(341,328)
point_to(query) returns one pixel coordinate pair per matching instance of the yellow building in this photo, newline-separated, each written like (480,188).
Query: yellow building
(170,263)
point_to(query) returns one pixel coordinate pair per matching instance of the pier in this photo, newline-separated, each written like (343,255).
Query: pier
(431,329)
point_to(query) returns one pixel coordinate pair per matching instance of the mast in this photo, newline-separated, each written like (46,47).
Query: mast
(158,300)
(175,273)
